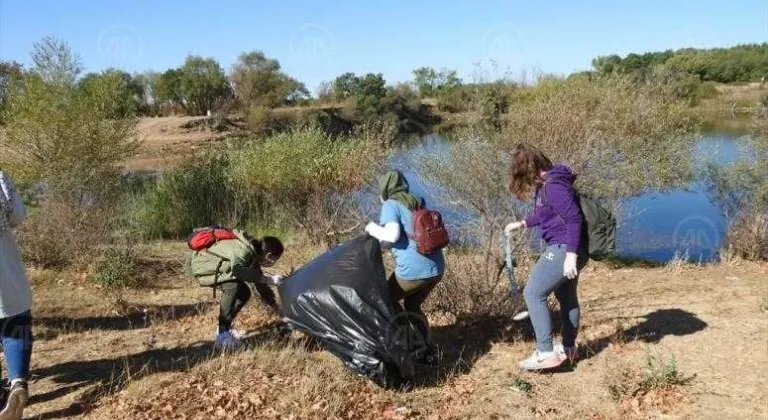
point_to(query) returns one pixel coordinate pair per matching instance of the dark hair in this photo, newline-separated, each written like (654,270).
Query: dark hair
(525,169)
(268,245)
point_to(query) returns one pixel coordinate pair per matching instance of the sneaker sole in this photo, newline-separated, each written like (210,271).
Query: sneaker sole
(14,407)
(548,365)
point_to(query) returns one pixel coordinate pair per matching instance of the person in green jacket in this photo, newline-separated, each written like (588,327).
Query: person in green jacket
(227,266)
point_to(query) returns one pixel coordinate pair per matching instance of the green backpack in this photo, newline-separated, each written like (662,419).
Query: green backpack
(599,227)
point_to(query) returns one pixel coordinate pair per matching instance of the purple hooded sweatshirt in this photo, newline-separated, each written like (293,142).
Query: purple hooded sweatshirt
(557,211)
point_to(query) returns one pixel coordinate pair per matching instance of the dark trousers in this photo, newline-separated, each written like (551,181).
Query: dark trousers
(234,296)
(414,293)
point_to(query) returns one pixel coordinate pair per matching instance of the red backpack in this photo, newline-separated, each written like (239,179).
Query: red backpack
(204,238)
(429,232)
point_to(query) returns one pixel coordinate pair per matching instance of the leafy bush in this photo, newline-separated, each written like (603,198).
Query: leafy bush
(116,269)
(198,193)
(258,118)
(62,144)
(309,176)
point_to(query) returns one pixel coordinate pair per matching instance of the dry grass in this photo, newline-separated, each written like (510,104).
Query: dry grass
(155,361)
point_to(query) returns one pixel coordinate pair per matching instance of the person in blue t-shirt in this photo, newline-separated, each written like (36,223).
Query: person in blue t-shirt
(415,274)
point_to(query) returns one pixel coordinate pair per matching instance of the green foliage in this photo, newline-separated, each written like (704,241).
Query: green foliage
(258,118)
(257,80)
(742,63)
(204,86)
(198,193)
(431,82)
(66,141)
(127,95)
(11,74)
(661,372)
(166,89)
(116,269)
(310,177)
(300,163)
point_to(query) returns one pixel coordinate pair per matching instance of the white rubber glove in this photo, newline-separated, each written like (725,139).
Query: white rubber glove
(514,226)
(570,270)
(277,279)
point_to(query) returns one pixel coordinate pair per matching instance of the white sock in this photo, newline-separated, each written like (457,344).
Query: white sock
(17,380)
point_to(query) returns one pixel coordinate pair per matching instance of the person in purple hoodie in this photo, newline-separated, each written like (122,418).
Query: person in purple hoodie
(558,215)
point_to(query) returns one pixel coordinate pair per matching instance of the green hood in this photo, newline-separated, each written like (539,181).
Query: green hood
(394,186)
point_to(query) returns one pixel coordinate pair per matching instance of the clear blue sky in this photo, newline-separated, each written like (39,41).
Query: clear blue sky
(318,40)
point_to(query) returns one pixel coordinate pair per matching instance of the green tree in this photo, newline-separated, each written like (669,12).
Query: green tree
(167,91)
(257,80)
(128,93)
(431,82)
(68,141)
(11,74)
(345,86)
(204,86)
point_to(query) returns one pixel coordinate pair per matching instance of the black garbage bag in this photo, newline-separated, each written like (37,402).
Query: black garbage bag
(341,299)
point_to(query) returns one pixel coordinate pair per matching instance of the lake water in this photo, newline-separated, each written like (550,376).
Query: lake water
(654,226)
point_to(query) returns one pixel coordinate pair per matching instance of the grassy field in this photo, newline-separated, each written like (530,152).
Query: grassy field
(668,342)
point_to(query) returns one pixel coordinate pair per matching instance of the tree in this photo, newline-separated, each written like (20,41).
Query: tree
(11,74)
(66,139)
(54,61)
(166,89)
(431,82)
(204,85)
(257,80)
(127,93)
(345,86)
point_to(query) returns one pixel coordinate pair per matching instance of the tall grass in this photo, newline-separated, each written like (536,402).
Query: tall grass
(304,180)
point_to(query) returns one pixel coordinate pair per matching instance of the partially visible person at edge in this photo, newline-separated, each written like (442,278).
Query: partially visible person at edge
(228,265)
(415,274)
(558,215)
(15,305)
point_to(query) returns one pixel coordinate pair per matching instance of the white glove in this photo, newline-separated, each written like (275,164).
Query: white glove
(570,270)
(276,279)
(514,226)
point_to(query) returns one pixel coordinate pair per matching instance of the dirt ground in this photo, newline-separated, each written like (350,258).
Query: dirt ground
(153,359)
(165,141)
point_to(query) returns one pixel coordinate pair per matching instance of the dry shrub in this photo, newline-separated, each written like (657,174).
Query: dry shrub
(475,286)
(56,235)
(621,137)
(312,178)
(741,193)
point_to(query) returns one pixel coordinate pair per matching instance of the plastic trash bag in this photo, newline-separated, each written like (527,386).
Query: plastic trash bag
(341,298)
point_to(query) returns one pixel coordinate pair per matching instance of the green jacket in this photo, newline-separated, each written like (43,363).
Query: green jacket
(225,261)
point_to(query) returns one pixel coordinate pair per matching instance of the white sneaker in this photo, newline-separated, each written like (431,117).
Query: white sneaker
(541,361)
(571,354)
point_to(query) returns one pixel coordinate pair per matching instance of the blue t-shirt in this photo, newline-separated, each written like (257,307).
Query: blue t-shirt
(409,264)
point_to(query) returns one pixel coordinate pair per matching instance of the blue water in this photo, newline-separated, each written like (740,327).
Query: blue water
(654,226)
